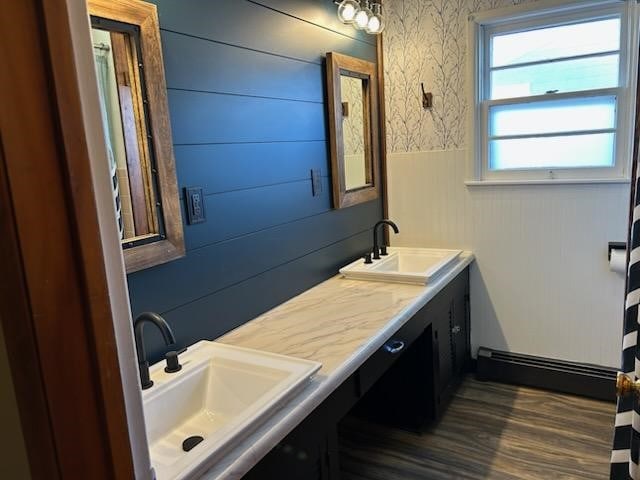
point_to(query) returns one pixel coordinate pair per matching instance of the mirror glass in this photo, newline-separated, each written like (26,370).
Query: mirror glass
(129,151)
(357,163)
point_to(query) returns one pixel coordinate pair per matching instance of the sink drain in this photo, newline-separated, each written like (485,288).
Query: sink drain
(191,442)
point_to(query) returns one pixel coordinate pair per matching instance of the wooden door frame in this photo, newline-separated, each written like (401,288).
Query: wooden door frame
(382,129)
(63,288)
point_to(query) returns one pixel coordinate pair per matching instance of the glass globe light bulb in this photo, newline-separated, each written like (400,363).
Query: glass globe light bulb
(347,10)
(375,25)
(376,21)
(361,19)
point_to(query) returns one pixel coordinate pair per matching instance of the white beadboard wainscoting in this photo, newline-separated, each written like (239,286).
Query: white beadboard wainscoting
(541,284)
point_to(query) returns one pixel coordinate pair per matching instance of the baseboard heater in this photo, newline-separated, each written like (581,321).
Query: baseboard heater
(567,377)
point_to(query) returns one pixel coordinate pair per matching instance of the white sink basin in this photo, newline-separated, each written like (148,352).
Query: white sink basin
(221,394)
(404,265)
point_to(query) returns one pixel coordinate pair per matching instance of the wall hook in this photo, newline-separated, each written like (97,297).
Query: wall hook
(427,98)
(345,109)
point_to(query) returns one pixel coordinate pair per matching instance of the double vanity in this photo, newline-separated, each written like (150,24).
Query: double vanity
(266,398)
(390,334)
(385,339)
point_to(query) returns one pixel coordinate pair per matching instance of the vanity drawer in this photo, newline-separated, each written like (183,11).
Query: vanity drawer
(385,356)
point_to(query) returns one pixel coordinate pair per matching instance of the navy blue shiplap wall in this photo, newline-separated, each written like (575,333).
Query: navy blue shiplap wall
(248,111)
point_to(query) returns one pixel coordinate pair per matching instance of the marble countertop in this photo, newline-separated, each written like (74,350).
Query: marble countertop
(339,323)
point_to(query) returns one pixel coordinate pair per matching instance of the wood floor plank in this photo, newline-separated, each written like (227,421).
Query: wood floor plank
(490,431)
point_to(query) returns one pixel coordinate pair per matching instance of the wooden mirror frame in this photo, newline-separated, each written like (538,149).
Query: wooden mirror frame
(145,16)
(337,63)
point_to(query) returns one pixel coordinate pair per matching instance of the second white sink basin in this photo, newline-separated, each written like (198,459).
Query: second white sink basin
(219,397)
(404,265)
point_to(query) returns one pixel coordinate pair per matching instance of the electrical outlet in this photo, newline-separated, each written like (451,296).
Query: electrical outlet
(316,182)
(195,205)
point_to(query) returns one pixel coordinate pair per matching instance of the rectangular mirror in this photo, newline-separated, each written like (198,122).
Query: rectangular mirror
(353,114)
(133,104)
(126,135)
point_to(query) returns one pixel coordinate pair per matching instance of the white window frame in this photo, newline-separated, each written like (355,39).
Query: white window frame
(540,14)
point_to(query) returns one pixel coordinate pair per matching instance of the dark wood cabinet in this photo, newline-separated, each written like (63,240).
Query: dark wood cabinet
(451,339)
(407,383)
(302,455)
(403,396)
(416,389)
(443,358)
(392,351)
(310,451)
(461,329)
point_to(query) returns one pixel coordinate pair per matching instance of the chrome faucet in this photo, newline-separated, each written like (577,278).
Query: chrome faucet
(169,339)
(377,250)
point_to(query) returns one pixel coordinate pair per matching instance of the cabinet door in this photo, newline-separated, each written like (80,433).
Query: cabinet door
(460,328)
(302,455)
(442,358)
(451,340)
(459,334)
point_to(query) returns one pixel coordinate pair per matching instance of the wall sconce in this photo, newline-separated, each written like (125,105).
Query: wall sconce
(427,98)
(362,14)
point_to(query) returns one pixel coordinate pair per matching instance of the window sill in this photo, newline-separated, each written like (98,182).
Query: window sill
(558,181)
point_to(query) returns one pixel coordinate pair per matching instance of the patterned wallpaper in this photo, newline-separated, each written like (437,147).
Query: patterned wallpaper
(425,41)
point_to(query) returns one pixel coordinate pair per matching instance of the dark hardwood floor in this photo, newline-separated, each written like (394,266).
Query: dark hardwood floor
(490,431)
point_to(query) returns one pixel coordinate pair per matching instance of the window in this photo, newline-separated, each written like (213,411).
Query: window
(552,92)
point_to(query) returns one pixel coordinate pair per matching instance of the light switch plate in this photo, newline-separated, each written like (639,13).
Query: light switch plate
(195,205)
